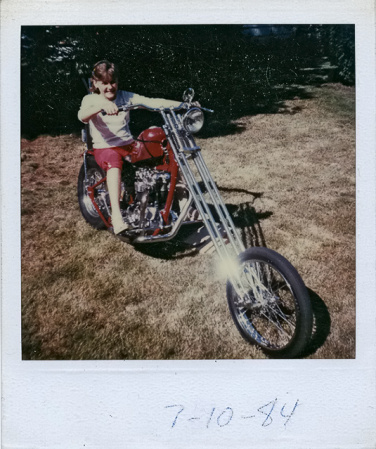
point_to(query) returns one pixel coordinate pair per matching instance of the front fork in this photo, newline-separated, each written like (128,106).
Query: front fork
(185,151)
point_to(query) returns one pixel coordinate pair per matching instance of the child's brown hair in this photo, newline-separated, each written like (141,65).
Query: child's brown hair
(104,71)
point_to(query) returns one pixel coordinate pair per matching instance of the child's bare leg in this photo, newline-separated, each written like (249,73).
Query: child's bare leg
(113,185)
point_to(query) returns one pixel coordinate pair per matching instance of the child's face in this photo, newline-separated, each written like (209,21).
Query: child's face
(107,89)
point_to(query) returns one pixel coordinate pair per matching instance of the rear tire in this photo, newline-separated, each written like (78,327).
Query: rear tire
(93,174)
(280,318)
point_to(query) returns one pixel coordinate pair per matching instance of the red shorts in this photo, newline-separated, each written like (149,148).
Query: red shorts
(112,157)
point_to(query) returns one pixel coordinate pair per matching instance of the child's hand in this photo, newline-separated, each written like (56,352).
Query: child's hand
(110,108)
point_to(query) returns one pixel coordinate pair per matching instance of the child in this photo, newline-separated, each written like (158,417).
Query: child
(112,139)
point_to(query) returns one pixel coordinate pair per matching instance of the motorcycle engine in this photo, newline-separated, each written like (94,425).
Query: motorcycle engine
(150,190)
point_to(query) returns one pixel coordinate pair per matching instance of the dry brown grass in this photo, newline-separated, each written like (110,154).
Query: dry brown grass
(290,180)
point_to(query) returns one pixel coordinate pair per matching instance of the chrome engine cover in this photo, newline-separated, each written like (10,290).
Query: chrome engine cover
(151,187)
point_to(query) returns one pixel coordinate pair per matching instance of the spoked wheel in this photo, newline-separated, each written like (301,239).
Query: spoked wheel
(276,312)
(93,174)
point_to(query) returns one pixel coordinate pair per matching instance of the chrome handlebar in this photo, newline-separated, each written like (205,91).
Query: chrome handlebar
(148,108)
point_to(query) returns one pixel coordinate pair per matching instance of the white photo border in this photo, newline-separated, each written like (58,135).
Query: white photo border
(139,404)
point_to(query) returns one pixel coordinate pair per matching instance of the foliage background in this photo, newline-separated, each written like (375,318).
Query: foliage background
(235,69)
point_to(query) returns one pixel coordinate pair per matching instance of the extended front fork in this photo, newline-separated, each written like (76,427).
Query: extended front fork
(229,246)
(186,150)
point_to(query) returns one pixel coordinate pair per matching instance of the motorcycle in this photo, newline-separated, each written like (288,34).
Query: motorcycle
(162,181)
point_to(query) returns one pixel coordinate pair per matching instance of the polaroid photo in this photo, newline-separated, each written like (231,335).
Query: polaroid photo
(188,224)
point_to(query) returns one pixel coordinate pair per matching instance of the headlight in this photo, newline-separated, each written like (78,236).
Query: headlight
(193,120)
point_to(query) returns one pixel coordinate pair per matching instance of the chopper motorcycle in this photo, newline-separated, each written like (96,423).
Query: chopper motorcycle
(163,179)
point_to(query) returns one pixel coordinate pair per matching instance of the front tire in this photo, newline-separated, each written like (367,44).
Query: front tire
(277,313)
(93,174)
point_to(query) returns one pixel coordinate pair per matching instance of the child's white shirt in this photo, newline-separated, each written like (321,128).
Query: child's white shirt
(113,130)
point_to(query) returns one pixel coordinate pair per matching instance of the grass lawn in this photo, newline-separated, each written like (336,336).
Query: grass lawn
(289,180)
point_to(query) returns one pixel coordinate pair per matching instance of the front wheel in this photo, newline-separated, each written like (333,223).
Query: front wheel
(275,313)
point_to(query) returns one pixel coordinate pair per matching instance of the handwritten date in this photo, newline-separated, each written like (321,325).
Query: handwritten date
(265,415)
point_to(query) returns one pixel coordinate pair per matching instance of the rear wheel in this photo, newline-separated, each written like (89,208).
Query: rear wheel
(93,174)
(276,312)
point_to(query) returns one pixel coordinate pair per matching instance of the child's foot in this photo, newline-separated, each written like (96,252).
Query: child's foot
(119,226)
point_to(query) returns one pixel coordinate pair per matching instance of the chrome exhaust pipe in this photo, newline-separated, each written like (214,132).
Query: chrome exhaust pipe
(174,230)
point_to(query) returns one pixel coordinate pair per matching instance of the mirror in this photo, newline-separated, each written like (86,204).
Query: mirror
(188,95)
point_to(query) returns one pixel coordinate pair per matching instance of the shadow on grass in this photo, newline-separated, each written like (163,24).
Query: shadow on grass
(322,324)
(223,121)
(246,220)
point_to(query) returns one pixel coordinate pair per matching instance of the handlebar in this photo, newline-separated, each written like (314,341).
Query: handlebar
(205,109)
(143,106)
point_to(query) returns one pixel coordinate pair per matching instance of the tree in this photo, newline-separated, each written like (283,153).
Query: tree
(232,70)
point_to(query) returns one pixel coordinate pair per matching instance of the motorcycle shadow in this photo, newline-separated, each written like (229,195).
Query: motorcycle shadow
(248,221)
(177,248)
(193,239)
(321,324)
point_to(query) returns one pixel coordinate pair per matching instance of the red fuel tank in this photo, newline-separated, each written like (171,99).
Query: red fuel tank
(149,144)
